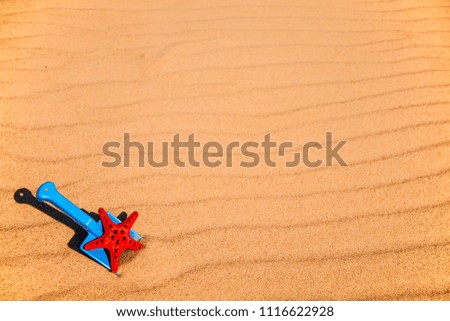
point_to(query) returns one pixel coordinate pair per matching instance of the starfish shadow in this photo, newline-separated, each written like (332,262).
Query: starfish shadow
(24,196)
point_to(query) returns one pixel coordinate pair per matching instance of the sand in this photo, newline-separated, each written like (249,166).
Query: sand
(76,74)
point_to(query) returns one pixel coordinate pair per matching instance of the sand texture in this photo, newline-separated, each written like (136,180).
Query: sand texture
(76,74)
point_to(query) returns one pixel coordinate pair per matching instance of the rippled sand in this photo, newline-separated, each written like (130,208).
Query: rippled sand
(76,74)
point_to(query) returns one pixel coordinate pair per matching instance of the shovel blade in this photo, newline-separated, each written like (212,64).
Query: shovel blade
(98,255)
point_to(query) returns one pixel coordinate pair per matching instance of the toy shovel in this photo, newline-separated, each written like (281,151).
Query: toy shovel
(106,239)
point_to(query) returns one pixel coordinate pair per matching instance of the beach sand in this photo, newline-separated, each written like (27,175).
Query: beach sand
(77,74)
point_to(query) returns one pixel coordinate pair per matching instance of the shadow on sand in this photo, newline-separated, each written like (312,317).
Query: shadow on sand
(24,196)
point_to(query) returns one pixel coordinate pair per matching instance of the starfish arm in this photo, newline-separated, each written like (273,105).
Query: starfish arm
(106,221)
(134,245)
(95,244)
(114,255)
(128,223)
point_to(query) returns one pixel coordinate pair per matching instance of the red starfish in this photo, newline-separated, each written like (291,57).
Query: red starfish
(115,239)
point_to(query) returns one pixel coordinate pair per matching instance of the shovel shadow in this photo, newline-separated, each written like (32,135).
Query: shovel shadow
(24,196)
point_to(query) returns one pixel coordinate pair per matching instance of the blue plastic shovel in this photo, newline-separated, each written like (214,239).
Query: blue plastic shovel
(47,192)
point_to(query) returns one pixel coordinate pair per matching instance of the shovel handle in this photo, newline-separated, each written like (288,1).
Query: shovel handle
(47,192)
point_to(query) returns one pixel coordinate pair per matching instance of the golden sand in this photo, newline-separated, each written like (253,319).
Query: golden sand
(76,74)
